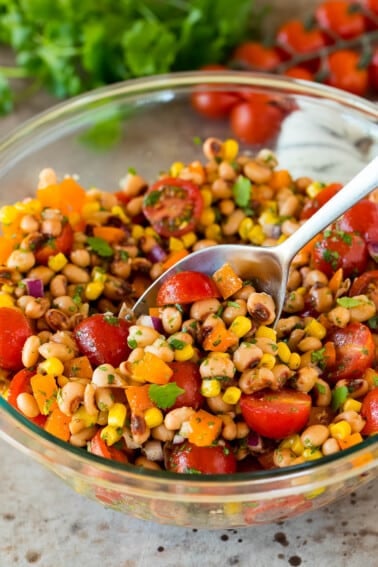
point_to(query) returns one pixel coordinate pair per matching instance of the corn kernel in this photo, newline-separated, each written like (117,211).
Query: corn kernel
(52,365)
(312,454)
(6,300)
(153,417)
(340,430)
(283,352)
(189,239)
(282,238)
(29,207)
(232,508)
(213,232)
(210,388)
(264,332)
(117,415)
(293,443)
(185,353)
(175,244)
(240,326)
(89,208)
(256,235)
(230,149)
(83,416)
(137,231)
(267,361)
(120,213)
(245,228)
(207,217)
(207,197)
(314,189)
(111,435)
(352,405)
(315,329)
(268,217)
(149,231)
(57,262)
(93,290)
(176,168)
(231,395)
(294,361)
(218,355)
(8,214)
(314,493)
(6,288)
(98,275)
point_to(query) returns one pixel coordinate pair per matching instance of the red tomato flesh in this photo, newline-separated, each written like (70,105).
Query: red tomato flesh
(369,411)
(98,447)
(188,458)
(276,414)
(362,218)
(321,198)
(340,249)
(103,339)
(186,287)
(14,330)
(187,376)
(341,18)
(256,121)
(62,243)
(366,284)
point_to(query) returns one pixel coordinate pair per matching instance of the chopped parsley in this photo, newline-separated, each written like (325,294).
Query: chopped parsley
(164,396)
(349,302)
(339,396)
(100,246)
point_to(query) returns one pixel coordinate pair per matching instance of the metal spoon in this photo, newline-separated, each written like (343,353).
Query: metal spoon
(268,267)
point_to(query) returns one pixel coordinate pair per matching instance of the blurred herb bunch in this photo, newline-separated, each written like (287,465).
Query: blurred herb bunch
(70,46)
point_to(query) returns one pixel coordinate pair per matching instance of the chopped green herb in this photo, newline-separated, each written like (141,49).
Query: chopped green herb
(197,140)
(100,246)
(349,302)
(339,396)
(152,198)
(164,396)
(176,343)
(111,319)
(242,191)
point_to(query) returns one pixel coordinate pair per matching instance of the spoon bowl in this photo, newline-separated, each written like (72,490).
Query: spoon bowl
(268,267)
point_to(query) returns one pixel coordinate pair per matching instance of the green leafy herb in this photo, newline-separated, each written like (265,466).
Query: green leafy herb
(164,396)
(339,396)
(111,319)
(177,344)
(242,191)
(349,302)
(152,198)
(373,322)
(318,358)
(100,246)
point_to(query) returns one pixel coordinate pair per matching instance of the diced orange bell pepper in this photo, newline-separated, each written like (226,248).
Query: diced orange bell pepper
(174,257)
(350,440)
(151,369)
(219,339)
(138,398)
(280,178)
(44,390)
(79,367)
(68,196)
(111,234)
(57,424)
(204,428)
(335,282)
(371,377)
(6,248)
(228,282)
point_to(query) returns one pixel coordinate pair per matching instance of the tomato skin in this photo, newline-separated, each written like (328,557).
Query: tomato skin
(373,70)
(344,72)
(186,287)
(254,54)
(355,351)
(256,121)
(298,72)
(173,206)
(62,243)
(294,37)
(361,218)
(337,16)
(366,284)
(103,339)
(369,411)
(214,104)
(14,330)
(187,376)
(98,447)
(20,384)
(338,249)
(186,458)
(276,414)
(321,198)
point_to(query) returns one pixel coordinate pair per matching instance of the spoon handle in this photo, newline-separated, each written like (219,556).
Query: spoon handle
(357,188)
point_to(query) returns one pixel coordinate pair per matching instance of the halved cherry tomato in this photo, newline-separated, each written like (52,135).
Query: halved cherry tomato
(276,414)
(186,287)
(346,72)
(20,384)
(98,447)
(341,17)
(338,249)
(187,376)
(254,54)
(14,330)
(173,206)
(256,121)
(188,458)
(361,218)
(369,411)
(321,198)
(62,243)
(355,351)
(366,284)
(103,339)
(295,37)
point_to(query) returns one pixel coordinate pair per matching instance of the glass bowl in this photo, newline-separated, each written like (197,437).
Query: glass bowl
(148,124)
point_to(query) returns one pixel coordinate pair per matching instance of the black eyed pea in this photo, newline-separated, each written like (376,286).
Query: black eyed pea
(70,397)
(66,338)
(321,298)
(75,274)
(357,387)
(142,336)
(294,302)
(47,177)
(231,225)
(161,433)
(244,292)
(212,148)
(133,184)
(309,344)
(58,285)
(330,446)
(30,353)
(315,277)
(161,349)
(204,243)
(153,450)
(36,307)
(29,224)
(121,268)
(171,319)
(261,308)
(27,404)
(305,379)
(339,316)
(66,304)
(257,172)
(104,398)
(81,438)
(289,226)
(294,281)
(355,420)
(284,458)
(217,366)
(256,379)
(175,418)
(221,189)
(217,405)
(322,393)
(286,326)
(90,399)
(315,435)
(21,260)
(52,227)
(106,376)
(234,309)
(282,373)
(53,349)
(135,355)
(42,273)
(139,430)
(247,355)
(229,429)
(288,207)
(80,257)
(201,309)
(364,311)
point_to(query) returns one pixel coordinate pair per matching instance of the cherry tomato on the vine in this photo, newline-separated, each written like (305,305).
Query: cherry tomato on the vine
(341,17)
(188,458)
(338,249)
(373,69)
(296,38)
(299,72)
(255,121)
(14,330)
(355,351)
(345,72)
(254,54)
(186,287)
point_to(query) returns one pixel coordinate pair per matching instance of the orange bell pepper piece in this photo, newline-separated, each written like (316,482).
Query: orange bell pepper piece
(44,390)
(111,234)
(151,369)
(204,428)
(138,398)
(280,178)
(350,440)
(6,248)
(174,257)
(57,424)
(219,339)
(68,196)
(228,282)
(79,367)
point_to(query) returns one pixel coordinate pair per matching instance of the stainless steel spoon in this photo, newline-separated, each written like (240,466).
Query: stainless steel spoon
(268,267)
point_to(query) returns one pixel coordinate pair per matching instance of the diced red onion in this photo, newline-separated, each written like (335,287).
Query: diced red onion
(153,450)
(153,322)
(272,230)
(157,254)
(254,442)
(34,287)
(373,250)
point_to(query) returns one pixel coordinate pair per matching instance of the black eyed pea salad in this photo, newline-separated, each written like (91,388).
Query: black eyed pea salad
(203,383)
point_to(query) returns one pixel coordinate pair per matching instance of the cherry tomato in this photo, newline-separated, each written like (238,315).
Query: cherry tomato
(186,287)
(254,54)
(188,458)
(98,447)
(214,104)
(298,72)
(173,206)
(20,384)
(187,376)
(355,351)
(62,243)
(373,70)
(339,249)
(103,339)
(256,122)
(361,218)
(369,411)
(14,330)
(366,284)
(276,414)
(321,198)
(371,5)
(295,37)
(341,17)
(345,72)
